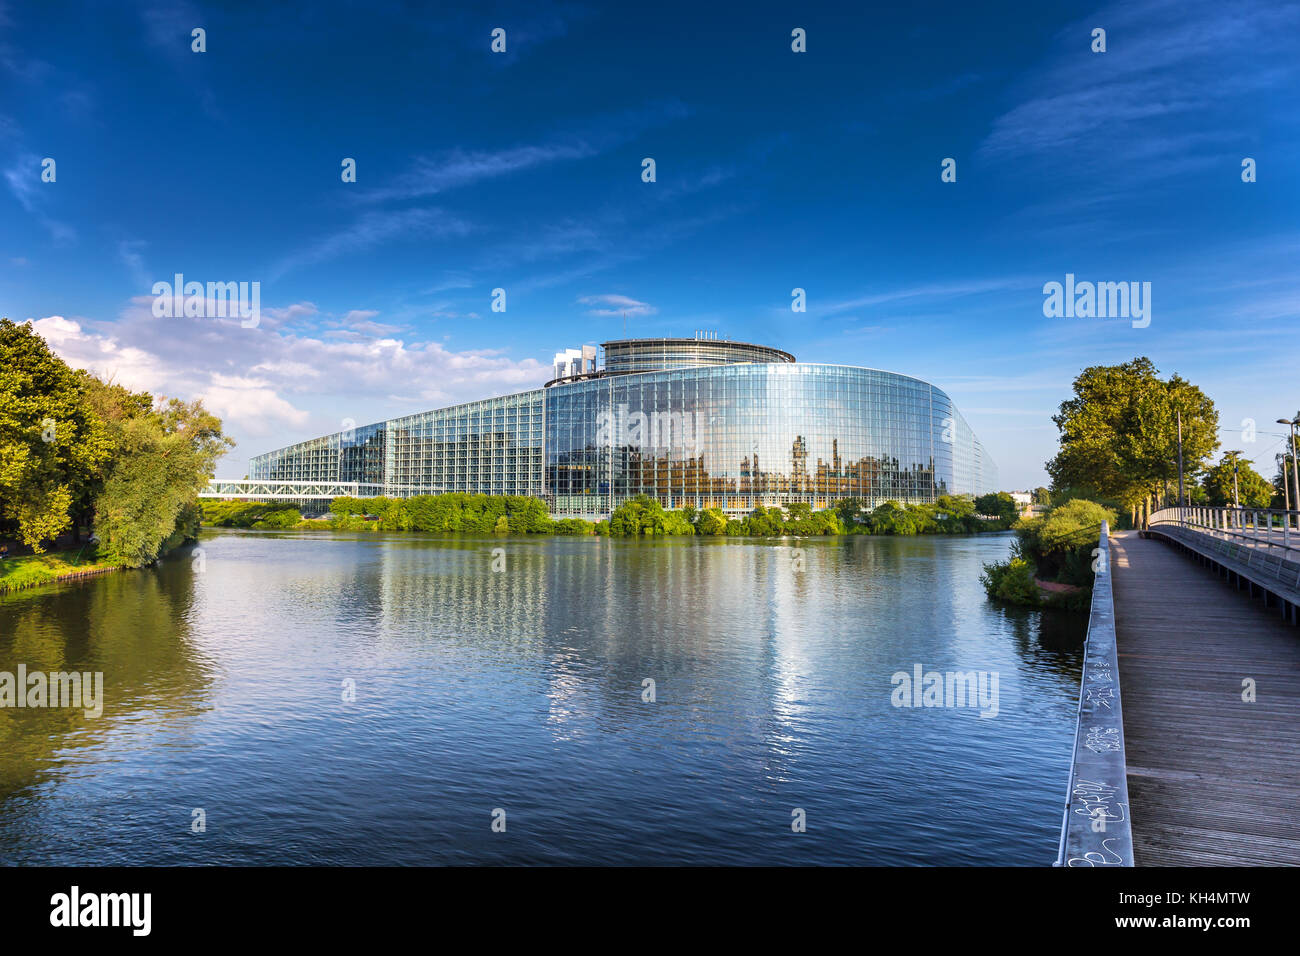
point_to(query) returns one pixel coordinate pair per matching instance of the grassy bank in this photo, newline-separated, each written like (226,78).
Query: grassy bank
(34,569)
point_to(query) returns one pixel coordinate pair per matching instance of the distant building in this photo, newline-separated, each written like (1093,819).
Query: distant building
(689,421)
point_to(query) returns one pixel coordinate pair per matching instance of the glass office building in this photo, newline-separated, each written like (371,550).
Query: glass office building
(701,421)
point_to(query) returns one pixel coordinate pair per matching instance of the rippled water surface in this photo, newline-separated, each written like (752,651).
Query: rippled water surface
(522,690)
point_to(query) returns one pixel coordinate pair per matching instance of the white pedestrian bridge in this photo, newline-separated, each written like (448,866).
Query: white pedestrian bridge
(258,490)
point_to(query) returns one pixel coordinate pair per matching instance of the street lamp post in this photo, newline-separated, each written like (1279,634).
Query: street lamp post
(1181,502)
(1295,465)
(1286,483)
(1233,456)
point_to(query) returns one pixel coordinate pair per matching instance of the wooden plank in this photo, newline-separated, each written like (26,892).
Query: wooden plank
(1212,779)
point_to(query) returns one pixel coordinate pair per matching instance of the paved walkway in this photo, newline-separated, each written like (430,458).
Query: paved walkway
(1212,780)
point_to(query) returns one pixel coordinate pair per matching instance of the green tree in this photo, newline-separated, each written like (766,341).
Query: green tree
(997,505)
(764,522)
(162,461)
(52,444)
(645,516)
(712,521)
(1119,433)
(851,510)
(1283,478)
(1253,489)
(892,518)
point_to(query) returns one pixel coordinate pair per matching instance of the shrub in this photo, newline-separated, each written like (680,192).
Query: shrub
(1060,542)
(711,521)
(1011,581)
(645,516)
(278,520)
(249,514)
(573,526)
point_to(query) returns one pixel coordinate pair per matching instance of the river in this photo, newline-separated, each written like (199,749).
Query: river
(314,698)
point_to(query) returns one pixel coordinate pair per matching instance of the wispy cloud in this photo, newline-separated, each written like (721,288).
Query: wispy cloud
(457,168)
(453,169)
(1179,88)
(929,292)
(371,229)
(24,181)
(128,251)
(168,26)
(611,304)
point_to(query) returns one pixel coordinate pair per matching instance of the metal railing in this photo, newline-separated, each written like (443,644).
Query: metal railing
(274,489)
(1096,830)
(1265,541)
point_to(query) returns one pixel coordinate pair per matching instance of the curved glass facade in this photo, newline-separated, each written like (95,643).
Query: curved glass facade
(731,435)
(745,435)
(651,355)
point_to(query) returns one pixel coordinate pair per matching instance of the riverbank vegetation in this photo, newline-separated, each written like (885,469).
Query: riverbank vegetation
(34,569)
(948,514)
(455,512)
(1051,562)
(79,454)
(1123,434)
(640,517)
(1127,436)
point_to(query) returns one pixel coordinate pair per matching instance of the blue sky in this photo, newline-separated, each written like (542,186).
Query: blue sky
(775,170)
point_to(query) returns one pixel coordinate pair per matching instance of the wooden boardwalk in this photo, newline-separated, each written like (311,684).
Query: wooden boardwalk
(1212,780)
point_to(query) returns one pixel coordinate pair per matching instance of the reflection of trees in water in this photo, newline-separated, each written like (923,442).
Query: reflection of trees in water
(131,626)
(1053,636)
(445,588)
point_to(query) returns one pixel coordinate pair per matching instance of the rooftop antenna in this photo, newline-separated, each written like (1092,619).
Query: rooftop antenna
(625,323)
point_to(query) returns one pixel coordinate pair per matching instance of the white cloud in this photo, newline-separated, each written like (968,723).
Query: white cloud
(613,304)
(277,384)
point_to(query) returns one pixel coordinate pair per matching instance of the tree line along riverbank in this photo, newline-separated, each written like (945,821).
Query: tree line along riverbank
(639,517)
(107,476)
